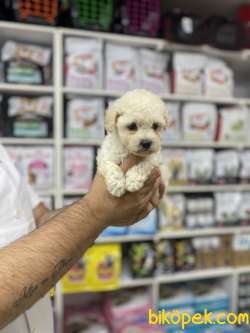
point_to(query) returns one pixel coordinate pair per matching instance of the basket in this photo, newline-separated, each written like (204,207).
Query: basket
(36,11)
(140,17)
(92,14)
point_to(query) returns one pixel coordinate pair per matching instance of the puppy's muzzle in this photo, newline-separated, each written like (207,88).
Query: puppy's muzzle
(146,144)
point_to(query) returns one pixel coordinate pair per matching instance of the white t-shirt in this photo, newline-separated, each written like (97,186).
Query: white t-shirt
(17,200)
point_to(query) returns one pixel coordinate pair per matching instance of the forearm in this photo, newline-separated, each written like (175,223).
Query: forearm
(33,264)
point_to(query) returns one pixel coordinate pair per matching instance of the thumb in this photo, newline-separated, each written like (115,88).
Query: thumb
(130,161)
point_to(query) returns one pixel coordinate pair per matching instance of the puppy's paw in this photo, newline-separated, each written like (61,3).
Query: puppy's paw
(134,181)
(116,186)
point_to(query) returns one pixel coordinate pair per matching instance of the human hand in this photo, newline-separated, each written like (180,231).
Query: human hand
(131,207)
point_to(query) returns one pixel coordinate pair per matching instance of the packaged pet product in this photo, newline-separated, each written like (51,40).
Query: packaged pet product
(218,79)
(245,166)
(121,67)
(199,121)
(245,208)
(227,166)
(241,249)
(188,73)
(84,319)
(78,168)
(85,118)
(184,255)
(147,226)
(207,252)
(234,124)
(26,63)
(227,208)
(128,308)
(141,259)
(153,74)
(29,117)
(84,65)
(35,165)
(176,162)
(200,213)
(173,132)
(164,257)
(173,218)
(200,166)
(114,231)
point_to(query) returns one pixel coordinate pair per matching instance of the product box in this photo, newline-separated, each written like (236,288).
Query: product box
(35,165)
(176,162)
(85,118)
(244,157)
(153,74)
(98,270)
(218,79)
(173,132)
(227,166)
(227,214)
(234,124)
(187,73)
(121,67)
(83,63)
(78,168)
(173,216)
(200,164)
(199,121)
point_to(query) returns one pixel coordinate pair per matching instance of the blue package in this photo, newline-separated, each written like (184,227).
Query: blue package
(147,226)
(114,231)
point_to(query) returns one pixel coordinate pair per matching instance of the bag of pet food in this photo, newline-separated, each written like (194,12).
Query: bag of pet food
(164,257)
(121,67)
(153,74)
(85,118)
(30,117)
(78,168)
(200,166)
(234,124)
(35,165)
(141,259)
(173,132)
(227,208)
(245,166)
(176,162)
(227,166)
(84,65)
(26,63)
(218,79)
(173,216)
(188,73)
(199,121)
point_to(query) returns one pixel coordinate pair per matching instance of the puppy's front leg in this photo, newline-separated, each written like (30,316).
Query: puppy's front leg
(137,175)
(114,178)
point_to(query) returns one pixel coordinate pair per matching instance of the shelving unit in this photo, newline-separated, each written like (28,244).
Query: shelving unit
(54,37)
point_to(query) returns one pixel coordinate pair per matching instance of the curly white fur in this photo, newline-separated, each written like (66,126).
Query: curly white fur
(138,117)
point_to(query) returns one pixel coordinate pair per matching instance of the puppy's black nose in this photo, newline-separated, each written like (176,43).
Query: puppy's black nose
(146,144)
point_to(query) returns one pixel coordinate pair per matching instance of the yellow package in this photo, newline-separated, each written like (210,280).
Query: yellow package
(98,270)
(104,267)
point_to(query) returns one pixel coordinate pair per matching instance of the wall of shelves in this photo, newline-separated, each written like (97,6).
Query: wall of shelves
(55,38)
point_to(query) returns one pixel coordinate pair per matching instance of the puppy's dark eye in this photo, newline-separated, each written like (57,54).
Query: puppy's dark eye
(155,126)
(132,127)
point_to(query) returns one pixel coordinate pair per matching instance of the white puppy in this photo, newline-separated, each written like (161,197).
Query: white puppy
(134,123)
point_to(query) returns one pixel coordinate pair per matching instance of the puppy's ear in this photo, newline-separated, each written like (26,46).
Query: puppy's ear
(111,118)
(167,120)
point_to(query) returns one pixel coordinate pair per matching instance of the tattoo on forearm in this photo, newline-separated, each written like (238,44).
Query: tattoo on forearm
(28,291)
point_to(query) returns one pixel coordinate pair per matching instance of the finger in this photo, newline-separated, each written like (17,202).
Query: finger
(161,190)
(155,174)
(130,162)
(145,211)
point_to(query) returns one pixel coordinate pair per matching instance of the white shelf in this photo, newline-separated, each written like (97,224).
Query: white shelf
(209,144)
(25,89)
(24,141)
(125,239)
(74,192)
(167,97)
(195,275)
(82,142)
(208,188)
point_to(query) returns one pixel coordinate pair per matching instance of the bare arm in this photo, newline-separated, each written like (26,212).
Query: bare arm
(42,214)
(32,265)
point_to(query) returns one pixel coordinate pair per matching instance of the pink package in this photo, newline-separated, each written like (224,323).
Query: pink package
(84,319)
(141,328)
(78,168)
(127,307)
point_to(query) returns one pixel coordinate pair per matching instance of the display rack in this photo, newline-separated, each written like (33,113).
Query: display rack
(55,37)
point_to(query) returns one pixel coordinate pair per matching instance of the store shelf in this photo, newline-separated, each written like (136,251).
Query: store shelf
(207,188)
(209,144)
(24,141)
(46,193)
(125,239)
(190,233)
(195,275)
(167,97)
(74,192)
(242,270)
(81,142)
(25,88)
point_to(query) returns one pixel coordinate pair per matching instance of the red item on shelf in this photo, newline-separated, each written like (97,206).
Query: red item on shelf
(243,15)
